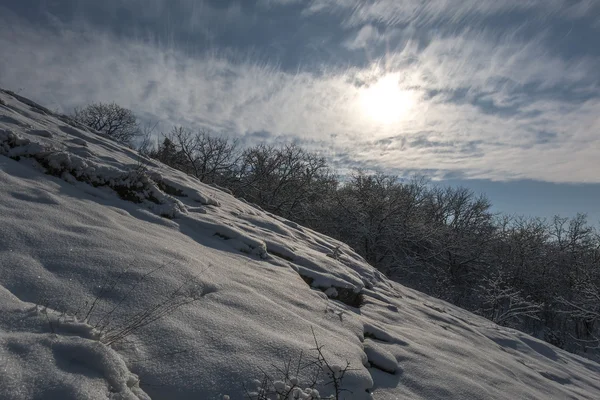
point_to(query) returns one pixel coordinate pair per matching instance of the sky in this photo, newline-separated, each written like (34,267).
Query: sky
(499,96)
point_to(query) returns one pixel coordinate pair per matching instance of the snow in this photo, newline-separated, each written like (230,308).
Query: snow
(86,223)
(68,363)
(379,357)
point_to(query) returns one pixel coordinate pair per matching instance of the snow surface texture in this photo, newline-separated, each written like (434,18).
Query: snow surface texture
(84,218)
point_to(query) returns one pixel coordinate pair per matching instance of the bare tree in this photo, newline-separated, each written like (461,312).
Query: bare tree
(286,180)
(117,122)
(504,304)
(583,309)
(209,158)
(145,146)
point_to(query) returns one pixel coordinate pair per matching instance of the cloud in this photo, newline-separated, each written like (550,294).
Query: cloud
(220,89)
(485,103)
(366,37)
(419,12)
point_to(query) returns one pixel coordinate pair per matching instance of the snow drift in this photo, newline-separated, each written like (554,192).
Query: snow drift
(122,278)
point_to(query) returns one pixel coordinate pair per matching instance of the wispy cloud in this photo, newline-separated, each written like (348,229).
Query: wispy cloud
(367,37)
(476,101)
(418,12)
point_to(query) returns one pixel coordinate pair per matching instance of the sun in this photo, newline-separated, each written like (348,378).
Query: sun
(385,102)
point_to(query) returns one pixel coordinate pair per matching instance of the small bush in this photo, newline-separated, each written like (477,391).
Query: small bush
(300,379)
(111,323)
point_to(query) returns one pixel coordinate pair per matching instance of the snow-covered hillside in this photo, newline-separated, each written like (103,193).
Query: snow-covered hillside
(97,242)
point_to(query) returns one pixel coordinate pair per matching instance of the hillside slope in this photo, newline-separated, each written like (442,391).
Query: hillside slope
(96,241)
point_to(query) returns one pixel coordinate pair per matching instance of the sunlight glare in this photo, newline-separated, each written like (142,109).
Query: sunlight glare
(385,102)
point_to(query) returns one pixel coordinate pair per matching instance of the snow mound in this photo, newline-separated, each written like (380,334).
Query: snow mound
(208,293)
(49,366)
(379,357)
(41,359)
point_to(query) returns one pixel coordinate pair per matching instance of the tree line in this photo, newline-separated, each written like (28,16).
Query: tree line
(536,275)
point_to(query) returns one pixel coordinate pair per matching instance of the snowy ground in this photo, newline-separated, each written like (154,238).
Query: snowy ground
(94,239)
